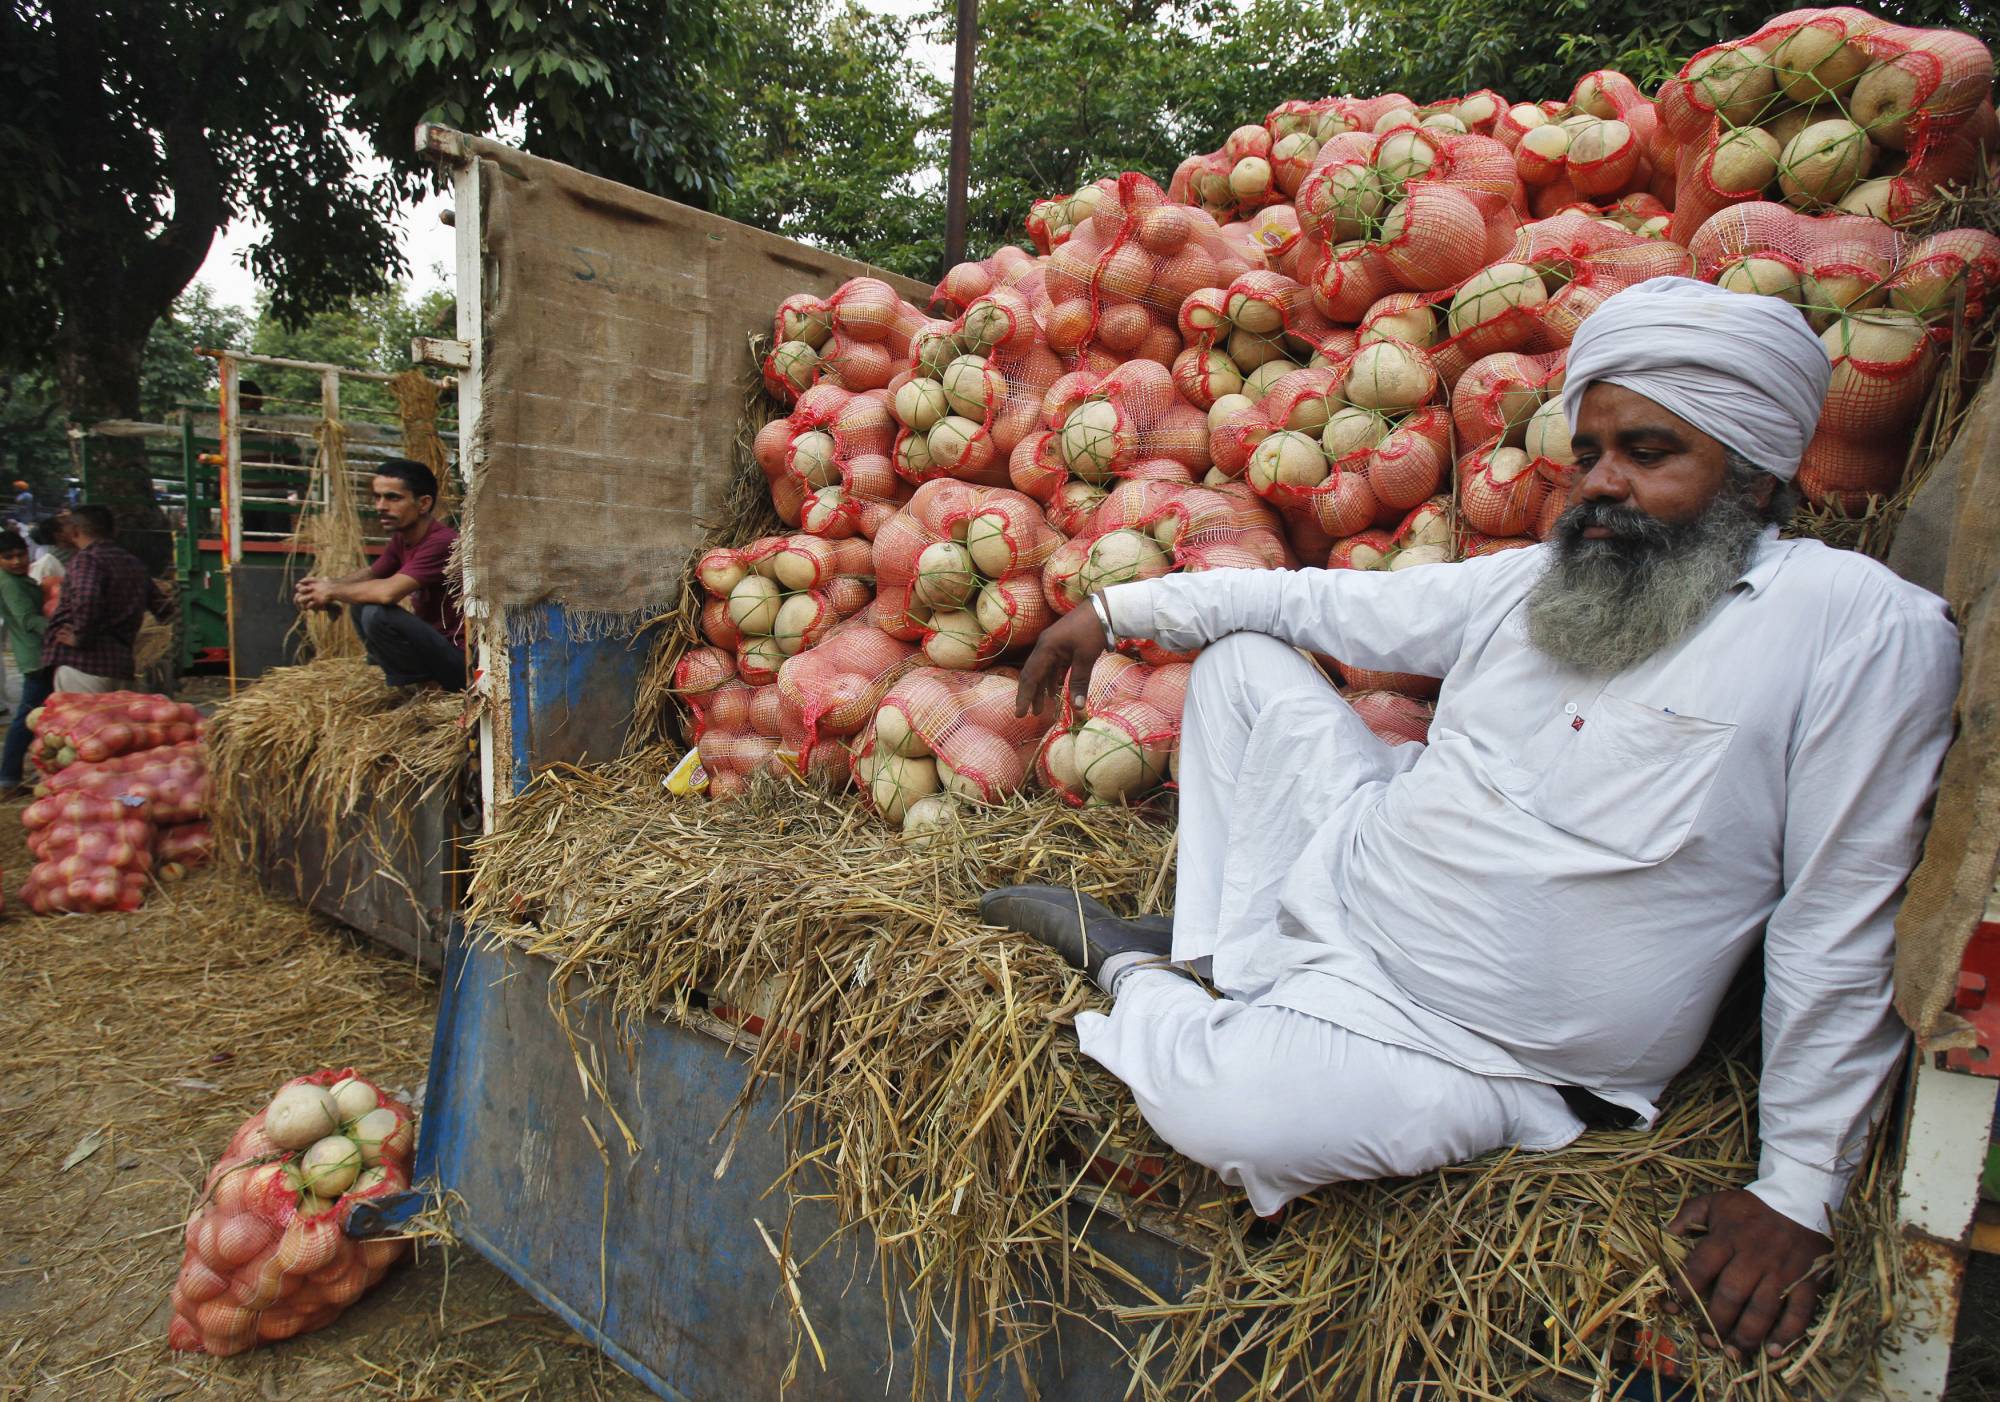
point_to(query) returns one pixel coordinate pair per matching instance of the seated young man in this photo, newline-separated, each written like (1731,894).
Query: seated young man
(1668,742)
(423,645)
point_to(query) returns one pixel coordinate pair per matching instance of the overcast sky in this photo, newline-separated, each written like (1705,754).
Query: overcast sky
(425,240)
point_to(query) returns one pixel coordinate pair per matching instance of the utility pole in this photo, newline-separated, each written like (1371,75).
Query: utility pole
(961,134)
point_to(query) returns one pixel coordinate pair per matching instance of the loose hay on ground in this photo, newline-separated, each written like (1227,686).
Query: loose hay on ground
(955,1111)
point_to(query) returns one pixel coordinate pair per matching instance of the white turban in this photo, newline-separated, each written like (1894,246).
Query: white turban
(1744,369)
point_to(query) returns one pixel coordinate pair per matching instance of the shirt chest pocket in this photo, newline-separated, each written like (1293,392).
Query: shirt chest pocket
(1632,780)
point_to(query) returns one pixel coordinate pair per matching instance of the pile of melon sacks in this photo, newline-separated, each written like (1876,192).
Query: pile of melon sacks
(1337,341)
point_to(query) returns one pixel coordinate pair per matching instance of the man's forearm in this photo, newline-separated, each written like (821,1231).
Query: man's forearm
(365,590)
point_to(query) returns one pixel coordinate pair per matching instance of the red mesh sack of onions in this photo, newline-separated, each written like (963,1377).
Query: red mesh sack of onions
(181,846)
(739,728)
(1116,285)
(1558,271)
(1099,429)
(1424,538)
(1825,99)
(268,1256)
(975,387)
(94,727)
(1147,529)
(941,738)
(959,570)
(1348,449)
(831,690)
(779,595)
(1126,742)
(1259,327)
(95,853)
(172,781)
(828,465)
(1509,407)
(853,340)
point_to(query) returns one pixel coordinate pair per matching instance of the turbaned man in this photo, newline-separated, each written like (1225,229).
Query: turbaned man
(1663,736)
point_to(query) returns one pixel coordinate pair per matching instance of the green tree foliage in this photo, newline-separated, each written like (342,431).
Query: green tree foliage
(135,131)
(370,332)
(172,374)
(833,134)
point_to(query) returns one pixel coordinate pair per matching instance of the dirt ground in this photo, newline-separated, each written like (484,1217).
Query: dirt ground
(154,1035)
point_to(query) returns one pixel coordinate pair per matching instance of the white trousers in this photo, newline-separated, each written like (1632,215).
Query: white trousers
(70,679)
(1274,1101)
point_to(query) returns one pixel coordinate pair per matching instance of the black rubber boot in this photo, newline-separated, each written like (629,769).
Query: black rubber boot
(1080,929)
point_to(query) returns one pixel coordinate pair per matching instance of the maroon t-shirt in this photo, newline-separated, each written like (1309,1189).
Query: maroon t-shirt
(425,563)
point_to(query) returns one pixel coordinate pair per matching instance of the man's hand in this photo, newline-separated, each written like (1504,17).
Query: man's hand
(1068,649)
(1756,1270)
(66,636)
(314,593)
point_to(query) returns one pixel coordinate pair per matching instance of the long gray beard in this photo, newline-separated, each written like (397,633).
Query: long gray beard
(1608,605)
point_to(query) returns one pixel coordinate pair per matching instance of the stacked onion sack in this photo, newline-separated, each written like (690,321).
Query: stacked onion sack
(72,726)
(958,571)
(103,830)
(1126,742)
(1828,109)
(943,738)
(974,387)
(1146,529)
(1603,146)
(827,463)
(1117,283)
(777,596)
(853,340)
(1413,210)
(1099,429)
(1515,461)
(268,1256)
(1883,305)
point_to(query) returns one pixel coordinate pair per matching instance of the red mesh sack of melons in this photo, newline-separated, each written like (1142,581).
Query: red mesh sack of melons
(95,854)
(1260,319)
(1393,718)
(1425,537)
(832,689)
(854,339)
(1241,176)
(1558,271)
(1123,745)
(1849,475)
(828,463)
(1102,428)
(1116,285)
(779,595)
(739,728)
(965,283)
(1921,94)
(1937,268)
(1501,490)
(959,570)
(948,736)
(266,1256)
(1276,231)
(1050,222)
(1146,529)
(974,387)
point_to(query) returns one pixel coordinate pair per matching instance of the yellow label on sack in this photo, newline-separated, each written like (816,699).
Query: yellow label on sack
(688,777)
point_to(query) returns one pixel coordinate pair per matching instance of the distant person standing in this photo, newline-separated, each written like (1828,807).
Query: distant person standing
(24,502)
(423,645)
(106,594)
(21,607)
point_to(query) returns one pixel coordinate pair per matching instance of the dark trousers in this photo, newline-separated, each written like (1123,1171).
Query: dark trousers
(407,649)
(36,688)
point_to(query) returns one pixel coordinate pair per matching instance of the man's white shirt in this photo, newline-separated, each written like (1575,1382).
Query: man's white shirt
(1565,883)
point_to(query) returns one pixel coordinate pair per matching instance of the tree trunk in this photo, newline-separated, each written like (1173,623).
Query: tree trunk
(97,378)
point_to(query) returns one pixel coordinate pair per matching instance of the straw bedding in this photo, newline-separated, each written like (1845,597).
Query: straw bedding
(955,1119)
(309,744)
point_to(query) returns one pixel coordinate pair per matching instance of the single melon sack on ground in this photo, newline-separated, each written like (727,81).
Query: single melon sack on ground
(944,738)
(959,571)
(267,1253)
(1125,743)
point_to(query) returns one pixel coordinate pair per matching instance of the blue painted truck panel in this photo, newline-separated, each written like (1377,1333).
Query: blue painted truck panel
(650,1254)
(569,698)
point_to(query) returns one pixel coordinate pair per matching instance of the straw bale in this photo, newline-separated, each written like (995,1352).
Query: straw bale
(952,1113)
(310,744)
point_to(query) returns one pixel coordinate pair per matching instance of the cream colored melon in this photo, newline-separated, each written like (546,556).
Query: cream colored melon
(301,1115)
(954,640)
(1061,758)
(753,605)
(1226,407)
(1736,81)
(1823,162)
(1250,178)
(1443,121)
(928,814)
(973,387)
(1745,161)
(1114,766)
(1817,61)
(1767,277)
(796,363)
(1400,316)
(1527,116)
(1120,557)
(814,458)
(721,571)
(797,616)
(1354,199)
(1548,435)
(1503,465)
(1549,143)
(1871,197)
(1093,441)
(1250,351)
(1258,382)
(1287,458)
(897,783)
(960,443)
(1349,431)
(1255,314)
(988,540)
(894,735)
(944,578)
(1389,376)
(1492,292)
